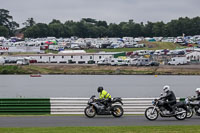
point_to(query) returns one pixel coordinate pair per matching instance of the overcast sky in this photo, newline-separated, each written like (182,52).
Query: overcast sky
(112,11)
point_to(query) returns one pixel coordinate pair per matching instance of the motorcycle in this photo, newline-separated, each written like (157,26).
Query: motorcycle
(97,107)
(159,108)
(193,107)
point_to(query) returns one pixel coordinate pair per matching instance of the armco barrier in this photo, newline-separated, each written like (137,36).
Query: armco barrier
(24,106)
(77,105)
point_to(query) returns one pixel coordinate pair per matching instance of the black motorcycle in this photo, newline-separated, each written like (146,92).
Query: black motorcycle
(98,107)
(193,107)
(159,108)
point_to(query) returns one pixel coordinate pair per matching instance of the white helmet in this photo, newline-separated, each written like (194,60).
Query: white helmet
(166,88)
(198,90)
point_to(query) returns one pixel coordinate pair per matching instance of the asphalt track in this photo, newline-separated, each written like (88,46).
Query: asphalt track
(63,121)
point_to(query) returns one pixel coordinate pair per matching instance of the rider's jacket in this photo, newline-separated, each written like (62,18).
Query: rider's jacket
(104,95)
(198,97)
(170,97)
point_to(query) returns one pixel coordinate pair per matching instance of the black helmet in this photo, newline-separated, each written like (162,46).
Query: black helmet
(100,89)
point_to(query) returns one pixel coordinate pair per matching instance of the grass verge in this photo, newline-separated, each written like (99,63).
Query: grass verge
(119,129)
(98,70)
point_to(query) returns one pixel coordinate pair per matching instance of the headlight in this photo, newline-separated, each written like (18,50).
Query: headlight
(153,102)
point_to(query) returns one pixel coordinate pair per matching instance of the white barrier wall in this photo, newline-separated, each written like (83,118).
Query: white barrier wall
(77,105)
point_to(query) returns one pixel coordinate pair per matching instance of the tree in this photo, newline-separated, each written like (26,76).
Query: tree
(102,23)
(7,21)
(5,18)
(89,20)
(56,30)
(55,21)
(4,31)
(30,22)
(158,29)
(148,29)
(114,30)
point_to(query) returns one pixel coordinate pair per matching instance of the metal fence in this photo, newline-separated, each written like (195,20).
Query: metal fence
(24,106)
(77,105)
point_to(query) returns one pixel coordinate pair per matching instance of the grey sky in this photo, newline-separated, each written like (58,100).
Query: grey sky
(113,11)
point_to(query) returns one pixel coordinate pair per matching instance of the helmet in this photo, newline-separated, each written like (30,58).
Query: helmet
(198,90)
(100,89)
(166,88)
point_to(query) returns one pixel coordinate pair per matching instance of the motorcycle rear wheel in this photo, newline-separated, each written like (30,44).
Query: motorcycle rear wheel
(117,111)
(151,115)
(90,112)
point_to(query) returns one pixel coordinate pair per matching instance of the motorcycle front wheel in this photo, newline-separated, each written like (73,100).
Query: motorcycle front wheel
(181,114)
(117,111)
(90,112)
(151,113)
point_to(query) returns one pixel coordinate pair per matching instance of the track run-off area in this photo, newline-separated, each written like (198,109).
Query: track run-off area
(82,121)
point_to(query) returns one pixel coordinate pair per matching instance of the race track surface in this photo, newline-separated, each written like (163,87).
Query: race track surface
(63,121)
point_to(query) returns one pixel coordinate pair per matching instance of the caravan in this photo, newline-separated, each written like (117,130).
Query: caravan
(178,61)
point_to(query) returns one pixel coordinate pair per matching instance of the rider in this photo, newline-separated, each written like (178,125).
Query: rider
(104,95)
(170,98)
(198,94)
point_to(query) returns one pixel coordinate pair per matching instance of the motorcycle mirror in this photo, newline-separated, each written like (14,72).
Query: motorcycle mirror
(161,94)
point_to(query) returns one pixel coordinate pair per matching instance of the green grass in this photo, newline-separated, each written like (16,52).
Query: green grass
(51,51)
(11,69)
(120,129)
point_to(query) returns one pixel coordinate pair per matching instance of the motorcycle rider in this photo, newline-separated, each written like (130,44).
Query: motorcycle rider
(170,98)
(104,96)
(198,94)
(197,98)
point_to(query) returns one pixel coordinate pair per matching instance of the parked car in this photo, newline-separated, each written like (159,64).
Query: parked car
(153,63)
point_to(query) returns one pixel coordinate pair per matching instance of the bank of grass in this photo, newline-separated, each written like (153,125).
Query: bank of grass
(98,70)
(12,69)
(119,129)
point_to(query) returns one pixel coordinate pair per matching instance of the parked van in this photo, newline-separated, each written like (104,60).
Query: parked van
(133,61)
(142,62)
(105,61)
(157,52)
(178,61)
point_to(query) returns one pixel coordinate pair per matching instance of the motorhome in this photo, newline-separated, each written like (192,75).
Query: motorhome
(178,61)
(142,62)
(23,61)
(139,61)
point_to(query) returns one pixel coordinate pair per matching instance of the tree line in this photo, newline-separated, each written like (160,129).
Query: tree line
(88,27)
